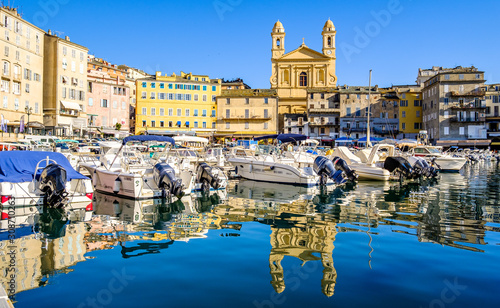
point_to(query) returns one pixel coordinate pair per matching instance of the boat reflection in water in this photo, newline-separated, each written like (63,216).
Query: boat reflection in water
(47,241)
(142,227)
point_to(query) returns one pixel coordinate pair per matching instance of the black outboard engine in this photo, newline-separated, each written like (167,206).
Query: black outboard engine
(326,169)
(205,176)
(164,176)
(53,184)
(341,164)
(422,167)
(400,166)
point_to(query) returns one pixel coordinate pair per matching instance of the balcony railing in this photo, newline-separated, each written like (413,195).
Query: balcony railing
(468,119)
(324,110)
(323,123)
(469,106)
(471,93)
(354,129)
(66,112)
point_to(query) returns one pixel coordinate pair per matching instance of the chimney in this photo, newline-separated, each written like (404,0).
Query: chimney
(50,32)
(66,38)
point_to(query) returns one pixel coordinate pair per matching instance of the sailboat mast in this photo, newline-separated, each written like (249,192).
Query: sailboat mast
(368,143)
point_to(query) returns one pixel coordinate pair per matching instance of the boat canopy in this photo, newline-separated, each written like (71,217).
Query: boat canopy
(283,137)
(148,138)
(19,166)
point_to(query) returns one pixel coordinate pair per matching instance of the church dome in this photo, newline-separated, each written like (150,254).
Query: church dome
(329,25)
(278,27)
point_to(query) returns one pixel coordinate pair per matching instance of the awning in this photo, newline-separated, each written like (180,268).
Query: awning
(187,123)
(179,123)
(71,105)
(35,124)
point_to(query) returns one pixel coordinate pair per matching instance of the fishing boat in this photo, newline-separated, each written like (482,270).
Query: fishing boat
(30,178)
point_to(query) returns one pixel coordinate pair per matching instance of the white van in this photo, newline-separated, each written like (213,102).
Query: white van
(45,141)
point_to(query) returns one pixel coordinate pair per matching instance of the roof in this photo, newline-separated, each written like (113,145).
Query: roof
(329,25)
(278,25)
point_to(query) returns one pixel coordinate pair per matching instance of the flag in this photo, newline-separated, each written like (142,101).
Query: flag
(21,124)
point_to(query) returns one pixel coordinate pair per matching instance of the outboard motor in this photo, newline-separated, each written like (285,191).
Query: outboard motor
(53,184)
(422,167)
(164,176)
(205,176)
(326,169)
(399,165)
(341,164)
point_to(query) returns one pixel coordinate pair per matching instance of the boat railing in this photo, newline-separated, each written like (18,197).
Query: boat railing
(47,162)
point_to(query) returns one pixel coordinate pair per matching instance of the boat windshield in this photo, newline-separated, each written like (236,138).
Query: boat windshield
(434,151)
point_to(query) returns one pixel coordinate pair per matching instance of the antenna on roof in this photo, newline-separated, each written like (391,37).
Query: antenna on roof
(59,33)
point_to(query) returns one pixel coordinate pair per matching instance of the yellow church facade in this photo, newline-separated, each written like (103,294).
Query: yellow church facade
(295,72)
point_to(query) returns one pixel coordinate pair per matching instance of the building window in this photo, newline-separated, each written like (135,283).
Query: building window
(247,125)
(228,125)
(266,100)
(461,76)
(446,130)
(195,124)
(266,125)
(170,124)
(144,111)
(403,114)
(195,113)
(153,111)
(152,95)
(303,79)
(204,125)
(91,101)
(162,111)
(403,126)
(143,95)
(213,113)
(348,111)
(266,113)
(115,105)
(247,113)
(153,85)
(153,123)
(162,124)
(186,112)
(179,112)
(195,96)
(418,113)
(143,123)
(204,113)
(445,114)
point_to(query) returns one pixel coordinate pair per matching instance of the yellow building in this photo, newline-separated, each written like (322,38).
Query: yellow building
(295,72)
(410,110)
(171,105)
(22,52)
(65,86)
(243,114)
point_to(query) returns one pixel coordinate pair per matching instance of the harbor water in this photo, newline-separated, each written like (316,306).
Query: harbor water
(434,243)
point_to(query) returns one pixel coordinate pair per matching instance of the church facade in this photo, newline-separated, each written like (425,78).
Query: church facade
(302,69)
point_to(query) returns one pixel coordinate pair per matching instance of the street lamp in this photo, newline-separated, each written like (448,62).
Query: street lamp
(29,110)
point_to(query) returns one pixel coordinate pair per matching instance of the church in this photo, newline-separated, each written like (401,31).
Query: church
(295,72)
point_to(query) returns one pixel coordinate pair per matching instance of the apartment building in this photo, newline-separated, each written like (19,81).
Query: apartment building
(22,53)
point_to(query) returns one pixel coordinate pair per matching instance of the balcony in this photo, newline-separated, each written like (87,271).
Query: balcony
(66,112)
(324,110)
(244,119)
(354,129)
(323,123)
(473,93)
(468,119)
(471,105)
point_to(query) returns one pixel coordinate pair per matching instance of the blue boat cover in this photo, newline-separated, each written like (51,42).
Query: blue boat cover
(149,138)
(19,166)
(283,137)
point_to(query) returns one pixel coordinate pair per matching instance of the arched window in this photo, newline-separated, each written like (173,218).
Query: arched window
(278,43)
(329,42)
(303,79)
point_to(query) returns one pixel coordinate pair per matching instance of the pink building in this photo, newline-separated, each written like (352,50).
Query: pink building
(107,99)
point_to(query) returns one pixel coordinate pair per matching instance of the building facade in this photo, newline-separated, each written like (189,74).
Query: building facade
(22,51)
(410,110)
(171,105)
(65,82)
(323,114)
(132,75)
(295,72)
(453,107)
(248,113)
(492,102)
(108,96)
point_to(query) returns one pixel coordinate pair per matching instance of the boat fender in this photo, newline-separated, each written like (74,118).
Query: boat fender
(94,179)
(117,185)
(250,168)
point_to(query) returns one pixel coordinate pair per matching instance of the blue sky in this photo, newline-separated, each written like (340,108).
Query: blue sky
(231,38)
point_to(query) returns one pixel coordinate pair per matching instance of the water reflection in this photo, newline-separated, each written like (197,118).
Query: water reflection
(456,210)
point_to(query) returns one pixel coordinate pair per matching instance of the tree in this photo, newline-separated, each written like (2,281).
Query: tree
(118,126)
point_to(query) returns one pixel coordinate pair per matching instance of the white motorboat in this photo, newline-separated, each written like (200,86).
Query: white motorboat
(271,166)
(365,170)
(434,155)
(31,178)
(127,174)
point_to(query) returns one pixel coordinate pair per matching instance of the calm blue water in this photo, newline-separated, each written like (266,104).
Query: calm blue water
(433,244)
